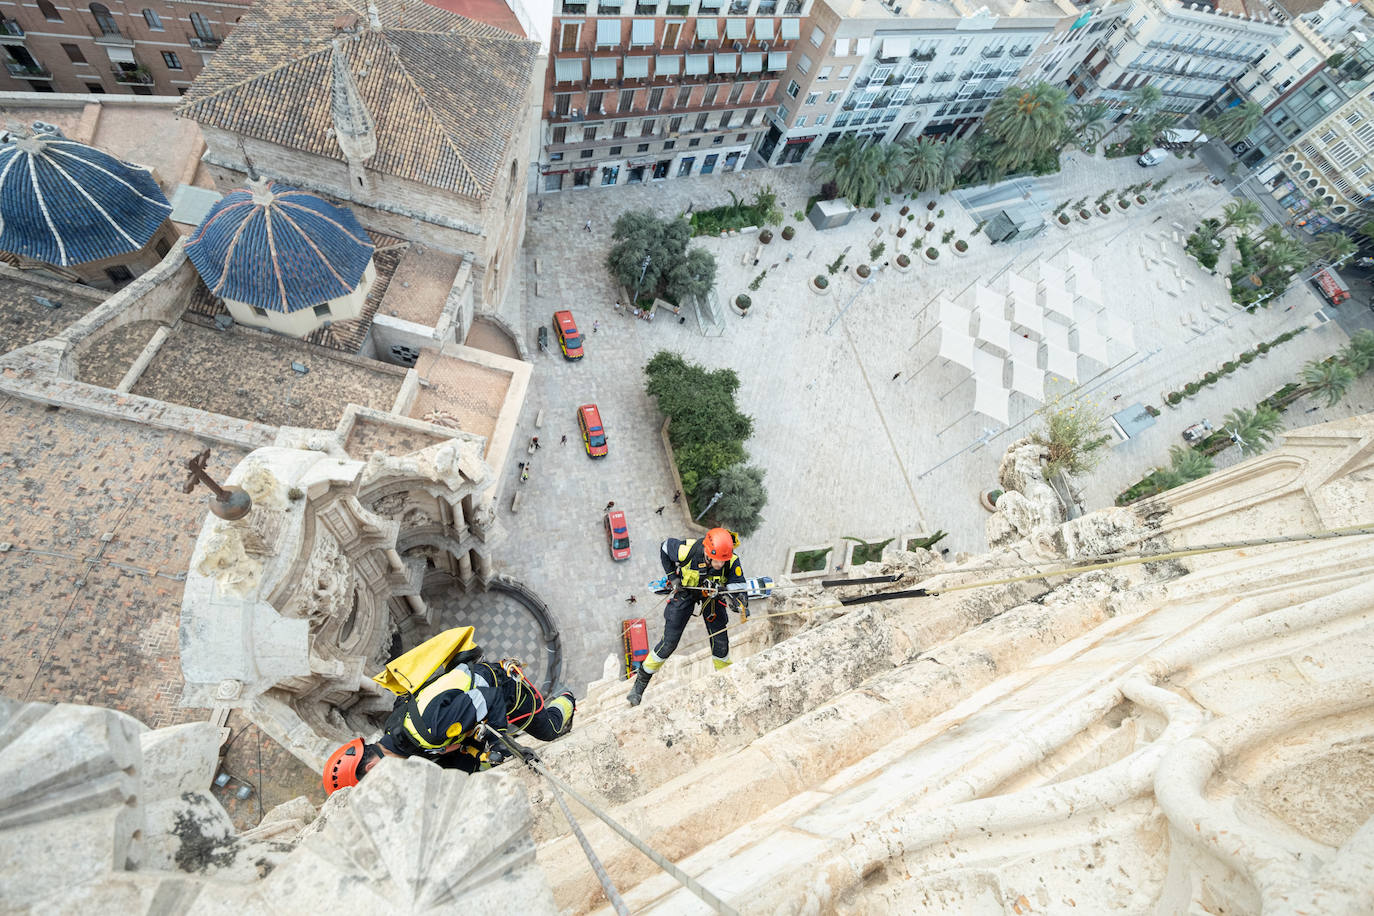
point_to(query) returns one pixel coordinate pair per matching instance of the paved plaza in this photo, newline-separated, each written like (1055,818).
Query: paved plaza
(849,449)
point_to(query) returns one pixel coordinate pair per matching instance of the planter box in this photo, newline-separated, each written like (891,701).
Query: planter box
(928,259)
(1062,225)
(855,271)
(1084,215)
(743,313)
(819,290)
(957,252)
(897,265)
(816,574)
(851,546)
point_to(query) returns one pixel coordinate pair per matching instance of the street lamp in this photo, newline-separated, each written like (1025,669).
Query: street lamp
(709,505)
(643,269)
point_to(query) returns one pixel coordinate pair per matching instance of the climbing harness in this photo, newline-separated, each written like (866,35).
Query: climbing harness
(558,785)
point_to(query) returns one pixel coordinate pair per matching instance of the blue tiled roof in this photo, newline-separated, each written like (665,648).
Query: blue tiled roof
(65,203)
(279,249)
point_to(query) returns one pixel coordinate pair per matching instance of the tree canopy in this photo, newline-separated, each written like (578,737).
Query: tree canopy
(672,272)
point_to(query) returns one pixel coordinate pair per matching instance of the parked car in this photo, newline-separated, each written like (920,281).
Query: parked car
(1152,157)
(569,338)
(1333,288)
(593,433)
(617,534)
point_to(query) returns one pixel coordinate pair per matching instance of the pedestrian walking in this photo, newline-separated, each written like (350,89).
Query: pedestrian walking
(609,506)
(596,326)
(564,440)
(534,440)
(631,600)
(539,208)
(587,226)
(659,510)
(682,320)
(677,495)
(617,305)
(894,376)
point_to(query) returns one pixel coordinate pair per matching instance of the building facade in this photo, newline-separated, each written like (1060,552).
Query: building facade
(156,47)
(886,72)
(661,91)
(1189,52)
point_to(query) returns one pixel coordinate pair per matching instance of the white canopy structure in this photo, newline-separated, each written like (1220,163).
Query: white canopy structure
(1091,344)
(956,347)
(1027,315)
(987,302)
(1059,303)
(994,331)
(1025,351)
(992,401)
(1061,361)
(1028,380)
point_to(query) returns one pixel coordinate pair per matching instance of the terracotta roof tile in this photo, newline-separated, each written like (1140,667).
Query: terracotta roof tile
(445,92)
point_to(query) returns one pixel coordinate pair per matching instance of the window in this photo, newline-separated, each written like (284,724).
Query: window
(735,92)
(961,47)
(1293,53)
(801,122)
(793,88)
(832,98)
(655,99)
(171,60)
(803,63)
(560,135)
(817,37)
(845,71)
(260,312)
(646,127)
(589,133)
(684,96)
(862,45)
(202,27)
(107,24)
(824,74)
(783,113)
(820,120)
(154,21)
(322,310)
(811,97)
(119,273)
(701,120)
(674,125)
(610,175)
(841,47)
(718,140)
(618,129)
(614,151)
(596,102)
(671,31)
(95,89)
(49,11)
(587,153)
(742,137)
(74,54)
(695,141)
(669,144)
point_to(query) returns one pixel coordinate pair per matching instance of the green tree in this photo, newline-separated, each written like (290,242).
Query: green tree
(1144,128)
(1330,247)
(954,155)
(1188,463)
(1235,123)
(842,162)
(693,277)
(1253,430)
(888,167)
(639,234)
(1088,123)
(1143,100)
(1073,435)
(1241,213)
(923,158)
(742,497)
(1367,230)
(1026,121)
(1359,353)
(1328,379)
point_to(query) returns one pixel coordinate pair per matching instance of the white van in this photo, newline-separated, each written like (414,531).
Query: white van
(1152,156)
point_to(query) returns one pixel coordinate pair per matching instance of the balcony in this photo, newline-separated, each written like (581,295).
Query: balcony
(739,7)
(767,7)
(574,9)
(923,55)
(11,32)
(1189,49)
(201,43)
(135,77)
(678,9)
(992,52)
(646,9)
(28,71)
(1019,52)
(114,39)
(793,8)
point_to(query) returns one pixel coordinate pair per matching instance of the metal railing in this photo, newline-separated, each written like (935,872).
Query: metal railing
(28,71)
(793,8)
(1189,49)
(10,29)
(201,43)
(135,77)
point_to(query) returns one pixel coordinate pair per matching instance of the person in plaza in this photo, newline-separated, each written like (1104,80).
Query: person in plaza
(443,721)
(697,570)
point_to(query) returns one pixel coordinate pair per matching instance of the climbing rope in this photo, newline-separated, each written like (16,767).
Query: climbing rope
(686,880)
(1091,564)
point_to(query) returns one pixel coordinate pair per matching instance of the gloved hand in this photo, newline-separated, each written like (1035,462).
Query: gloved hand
(525,753)
(690,578)
(496,752)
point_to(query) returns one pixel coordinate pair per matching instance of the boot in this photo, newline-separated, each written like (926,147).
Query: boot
(637,691)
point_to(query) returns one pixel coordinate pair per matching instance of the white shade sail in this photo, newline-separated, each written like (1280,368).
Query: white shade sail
(1085,313)
(1077,264)
(956,346)
(1025,351)
(1057,335)
(1092,344)
(1086,285)
(994,331)
(1028,380)
(1061,362)
(953,317)
(1058,302)
(1020,288)
(1053,276)
(987,302)
(988,369)
(1027,314)
(1117,330)
(992,401)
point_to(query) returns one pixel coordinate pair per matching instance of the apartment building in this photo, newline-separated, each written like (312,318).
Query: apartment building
(662,89)
(1190,52)
(1330,168)
(155,47)
(886,71)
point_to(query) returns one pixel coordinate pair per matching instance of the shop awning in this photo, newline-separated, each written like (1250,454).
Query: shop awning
(636,67)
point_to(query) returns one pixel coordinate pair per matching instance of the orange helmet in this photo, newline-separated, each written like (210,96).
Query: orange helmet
(719,545)
(345,766)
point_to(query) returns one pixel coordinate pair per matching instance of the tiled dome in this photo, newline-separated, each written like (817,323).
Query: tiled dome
(66,203)
(279,249)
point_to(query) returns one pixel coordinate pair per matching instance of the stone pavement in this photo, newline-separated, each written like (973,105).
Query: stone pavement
(849,450)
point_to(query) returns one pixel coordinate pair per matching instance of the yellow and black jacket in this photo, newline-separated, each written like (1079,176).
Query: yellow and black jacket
(687,560)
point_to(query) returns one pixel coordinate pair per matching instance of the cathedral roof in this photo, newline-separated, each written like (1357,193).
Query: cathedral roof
(279,249)
(64,203)
(441,94)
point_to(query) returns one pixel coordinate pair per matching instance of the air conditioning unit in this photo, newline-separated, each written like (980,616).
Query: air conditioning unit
(603,109)
(739,46)
(576,112)
(763,46)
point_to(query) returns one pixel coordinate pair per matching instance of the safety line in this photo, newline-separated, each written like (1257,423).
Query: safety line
(607,886)
(686,880)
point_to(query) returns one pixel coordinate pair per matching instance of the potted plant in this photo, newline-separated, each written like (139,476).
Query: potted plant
(903,263)
(1141,199)
(931,255)
(1062,220)
(788,232)
(820,284)
(1084,215)
(766,236)
(876,216)
(1123,204)
(1104,209)
(901,232)
(931,205)
(1210,377)
(1229,366)
(988,499)
(930,227)
(1173,398)
(1191,388)
(1247,357)
(905,210)
(961,247)
(1263,348)
(742,302)
(862,271)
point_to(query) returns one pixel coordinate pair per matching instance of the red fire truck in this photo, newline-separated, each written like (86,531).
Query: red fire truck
(1332,286)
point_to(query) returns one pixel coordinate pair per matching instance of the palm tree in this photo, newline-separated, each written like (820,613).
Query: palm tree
(1088,123)
(841,162)
(1280,260)
(1367,230)
(1331,247)
(1188,463)
(1253,430)
(1359,353)
(954,155)
(888,165)
(922,163)
(1026,121)
(1240,213)
(1235,123)
(1145,127)
(1327,378)
(1144,99)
